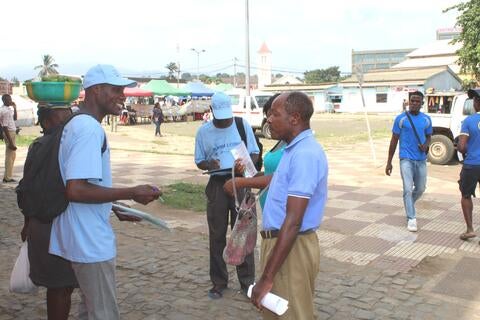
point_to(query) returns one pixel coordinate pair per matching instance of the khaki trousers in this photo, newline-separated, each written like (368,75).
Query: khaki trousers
(9,157)
(295,281)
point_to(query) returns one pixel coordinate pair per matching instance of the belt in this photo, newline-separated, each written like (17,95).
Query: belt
(269,234)
(223,177)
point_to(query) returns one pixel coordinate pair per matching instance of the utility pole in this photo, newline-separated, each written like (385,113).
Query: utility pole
(247,58)
(235,72)
(178,65)
(198,60)
(359,74)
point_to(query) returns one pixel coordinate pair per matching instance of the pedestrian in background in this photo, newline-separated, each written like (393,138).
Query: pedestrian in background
(414,130)
(157,118)
(8,116)
(469,144)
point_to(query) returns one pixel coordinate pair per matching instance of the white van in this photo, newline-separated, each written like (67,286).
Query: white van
(252,111)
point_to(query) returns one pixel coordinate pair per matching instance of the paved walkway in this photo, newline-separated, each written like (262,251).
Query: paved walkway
(371,267)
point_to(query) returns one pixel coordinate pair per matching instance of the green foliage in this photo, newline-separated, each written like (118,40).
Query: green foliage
(469,20)
(24,141)
(468,84)
(187,76)
(331,74)
(186,196)
(15,81)
(48,67)
(172,69)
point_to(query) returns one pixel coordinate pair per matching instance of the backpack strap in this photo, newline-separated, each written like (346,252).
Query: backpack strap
(241,129)
(104,144)
(413,127)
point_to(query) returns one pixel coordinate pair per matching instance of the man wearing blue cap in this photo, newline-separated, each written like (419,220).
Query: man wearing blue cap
(213,143)
(469,144)
(82,234)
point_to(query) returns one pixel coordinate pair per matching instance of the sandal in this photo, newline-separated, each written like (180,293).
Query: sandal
(215,293)
(467,235)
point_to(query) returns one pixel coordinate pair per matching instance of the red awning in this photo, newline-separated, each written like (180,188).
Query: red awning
(129,92)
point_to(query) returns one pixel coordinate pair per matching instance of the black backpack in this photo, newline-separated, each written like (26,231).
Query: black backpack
(243,136)
(41,192)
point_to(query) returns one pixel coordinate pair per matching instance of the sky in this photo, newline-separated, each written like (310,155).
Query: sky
(140,37)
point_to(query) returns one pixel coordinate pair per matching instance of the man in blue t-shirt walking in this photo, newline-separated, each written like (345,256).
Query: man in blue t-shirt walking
(469,143)
(414,130)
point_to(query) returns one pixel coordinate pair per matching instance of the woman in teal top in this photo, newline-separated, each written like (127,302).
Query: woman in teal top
(270,163)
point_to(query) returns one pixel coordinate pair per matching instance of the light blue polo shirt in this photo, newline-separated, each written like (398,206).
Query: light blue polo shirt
(83,232)
(471,128)
(215,143)
(302,172)
(408,142)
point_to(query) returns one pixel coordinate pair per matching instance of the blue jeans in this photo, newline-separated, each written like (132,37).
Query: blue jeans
(414,177)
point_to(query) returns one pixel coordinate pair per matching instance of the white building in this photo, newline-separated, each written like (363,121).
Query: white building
(434,54)
(385,90)
(264,66)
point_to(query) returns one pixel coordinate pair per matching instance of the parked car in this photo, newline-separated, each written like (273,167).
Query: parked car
(251,108)
(446,126)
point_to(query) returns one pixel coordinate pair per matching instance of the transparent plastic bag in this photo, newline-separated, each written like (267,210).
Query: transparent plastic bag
(20,281)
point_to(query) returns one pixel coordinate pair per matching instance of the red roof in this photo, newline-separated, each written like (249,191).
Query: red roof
(264,49)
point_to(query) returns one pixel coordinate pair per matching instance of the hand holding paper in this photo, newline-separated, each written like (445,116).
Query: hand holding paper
(272,302)
(241,152)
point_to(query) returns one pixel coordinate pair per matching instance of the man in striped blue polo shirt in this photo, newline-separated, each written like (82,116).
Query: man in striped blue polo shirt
(290,253)
(469,144)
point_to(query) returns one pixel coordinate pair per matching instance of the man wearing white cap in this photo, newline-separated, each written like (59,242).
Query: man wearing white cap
(469,143)
(213,143)
(82,234)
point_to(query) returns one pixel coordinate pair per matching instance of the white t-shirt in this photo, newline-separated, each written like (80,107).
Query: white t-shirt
(83,232)
(6,118)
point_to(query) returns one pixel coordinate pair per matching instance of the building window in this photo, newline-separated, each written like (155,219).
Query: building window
(381,98)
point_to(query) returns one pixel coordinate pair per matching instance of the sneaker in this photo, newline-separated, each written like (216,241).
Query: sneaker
(9,180)
(412,225)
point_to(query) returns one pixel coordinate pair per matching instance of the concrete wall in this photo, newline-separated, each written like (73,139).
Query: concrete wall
(352,100)
(443,81)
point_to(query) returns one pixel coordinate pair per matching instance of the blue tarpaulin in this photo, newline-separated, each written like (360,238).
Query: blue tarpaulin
(198,89)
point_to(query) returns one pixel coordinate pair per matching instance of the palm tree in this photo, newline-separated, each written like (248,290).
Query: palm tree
(172,69)
(48,66)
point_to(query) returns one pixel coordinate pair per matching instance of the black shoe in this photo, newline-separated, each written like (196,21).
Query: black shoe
(244,291)
(9,180)
(216,292)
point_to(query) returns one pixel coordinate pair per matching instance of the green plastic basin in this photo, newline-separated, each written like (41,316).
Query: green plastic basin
(55,92)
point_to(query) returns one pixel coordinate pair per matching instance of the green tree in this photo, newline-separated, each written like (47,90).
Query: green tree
(48,66)
(15,81)
(469,20)
(331,74)
(172,69)
(187,76)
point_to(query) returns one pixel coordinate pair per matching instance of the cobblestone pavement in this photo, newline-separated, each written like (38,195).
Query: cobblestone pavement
(370,267)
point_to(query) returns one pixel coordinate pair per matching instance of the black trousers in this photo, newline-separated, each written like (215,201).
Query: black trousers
(220,213)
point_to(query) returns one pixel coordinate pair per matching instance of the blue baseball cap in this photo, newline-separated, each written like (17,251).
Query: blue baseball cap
(221,106)
(105,74)
(473,93)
